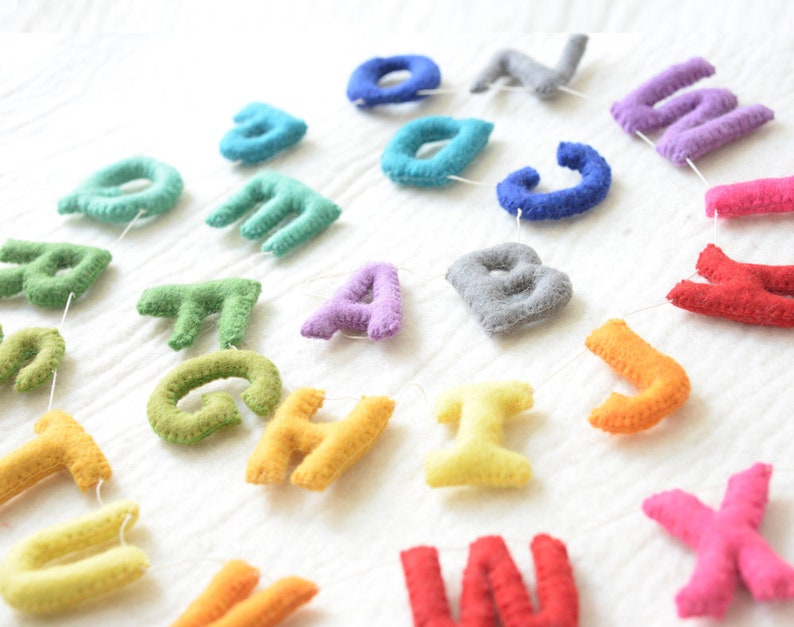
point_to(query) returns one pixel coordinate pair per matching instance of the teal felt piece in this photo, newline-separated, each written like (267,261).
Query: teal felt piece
(466,137)
(39,264)
(234,299)
(102,196)
(275,198)
(261,132)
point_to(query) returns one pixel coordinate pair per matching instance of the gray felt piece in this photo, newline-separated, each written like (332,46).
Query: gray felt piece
(507,286)
(543,80)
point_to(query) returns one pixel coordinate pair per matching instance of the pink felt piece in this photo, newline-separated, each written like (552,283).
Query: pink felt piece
(728,544)
(750,197)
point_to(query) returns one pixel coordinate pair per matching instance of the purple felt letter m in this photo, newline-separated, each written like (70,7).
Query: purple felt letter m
(698,121)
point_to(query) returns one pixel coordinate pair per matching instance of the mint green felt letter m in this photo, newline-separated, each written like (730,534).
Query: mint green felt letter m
(276,198)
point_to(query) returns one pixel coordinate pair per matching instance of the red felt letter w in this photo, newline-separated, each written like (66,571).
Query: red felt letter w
(493,588)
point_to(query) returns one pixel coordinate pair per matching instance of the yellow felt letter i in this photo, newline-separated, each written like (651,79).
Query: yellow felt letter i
(477,458)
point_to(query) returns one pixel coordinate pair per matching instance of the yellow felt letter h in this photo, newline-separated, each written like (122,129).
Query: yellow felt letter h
(330,447)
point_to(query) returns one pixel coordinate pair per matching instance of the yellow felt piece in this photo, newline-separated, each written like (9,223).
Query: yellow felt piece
(330,447)
(477,458)
(226,601)
(62,443)
(664,384)
(29,585)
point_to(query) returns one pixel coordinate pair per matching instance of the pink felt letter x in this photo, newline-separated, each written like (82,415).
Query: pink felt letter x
(727,542)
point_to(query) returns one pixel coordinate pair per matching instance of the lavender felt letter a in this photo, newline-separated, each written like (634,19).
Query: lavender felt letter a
(348,308)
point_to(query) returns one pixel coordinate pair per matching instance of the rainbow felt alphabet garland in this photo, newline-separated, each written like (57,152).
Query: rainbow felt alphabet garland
(523,293)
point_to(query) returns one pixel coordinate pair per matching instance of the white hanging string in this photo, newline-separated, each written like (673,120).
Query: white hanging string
(72,295)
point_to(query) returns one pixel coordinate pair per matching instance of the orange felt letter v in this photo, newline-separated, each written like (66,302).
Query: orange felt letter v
(226,601)
(663,382)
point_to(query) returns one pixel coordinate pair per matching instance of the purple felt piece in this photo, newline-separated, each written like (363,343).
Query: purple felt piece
(348,309)
(699,121)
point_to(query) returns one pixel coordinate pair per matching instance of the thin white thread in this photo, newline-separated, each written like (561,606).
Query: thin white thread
(645,138)
(559,370)
(127,229)
(55,372)
(518,224)
(500,87)
(52,390)
(99,492)
(716,228)
(696,171)
(341,398)
(419,276)
(254,271)
(322,277)
(411,384)
(579,94)
(631,313)
(354,337)
(141,212)
(453,177)
(126,520)
(437,90)
(65,311)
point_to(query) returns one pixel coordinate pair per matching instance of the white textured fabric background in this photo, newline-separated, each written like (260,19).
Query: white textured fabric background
(74,103)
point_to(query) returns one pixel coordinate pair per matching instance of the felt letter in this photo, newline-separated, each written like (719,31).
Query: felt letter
(281,196)
(508,287)
(364,90)
(750,197)
(28,585)
(543,80)
(217,408)
(102,196)
(493,590)
(479,411)
(743,292)
(62,443)
(190,304)
(728,544)
(515,192)
(262,131)
(698,122)
(227,601)
(32,354)
(664,383)
(381,318)
(330,448)
(39,265)
(466,138)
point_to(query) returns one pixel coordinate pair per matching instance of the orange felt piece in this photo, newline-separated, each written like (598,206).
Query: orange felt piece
(663,382)
(227,600)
